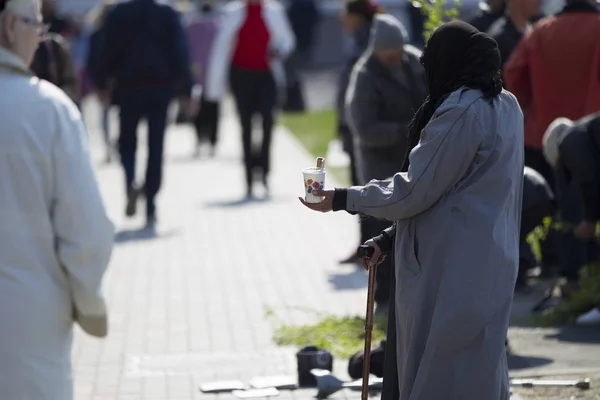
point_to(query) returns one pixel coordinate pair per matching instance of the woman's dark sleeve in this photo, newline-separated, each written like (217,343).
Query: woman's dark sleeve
(340,199)
(385,241)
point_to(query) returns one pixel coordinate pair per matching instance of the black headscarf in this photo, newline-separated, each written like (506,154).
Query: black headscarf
(456,55)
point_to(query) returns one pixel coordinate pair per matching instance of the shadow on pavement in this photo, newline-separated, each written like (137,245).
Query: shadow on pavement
(146,233)
(352,280)
(577,334)
(522,362)
(244,201)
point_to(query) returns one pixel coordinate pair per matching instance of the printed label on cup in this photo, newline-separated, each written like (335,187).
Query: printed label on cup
(314,180)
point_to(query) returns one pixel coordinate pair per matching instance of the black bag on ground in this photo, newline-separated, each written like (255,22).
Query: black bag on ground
(312,357)
(355,364)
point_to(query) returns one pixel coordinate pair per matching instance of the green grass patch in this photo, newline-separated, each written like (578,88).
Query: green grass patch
(342,336)
(580,301)
(314,129)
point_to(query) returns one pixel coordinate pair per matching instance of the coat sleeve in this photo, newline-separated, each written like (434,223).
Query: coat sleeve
(447,148)
(361,107)
(286,40)
(84,233)
(516,72)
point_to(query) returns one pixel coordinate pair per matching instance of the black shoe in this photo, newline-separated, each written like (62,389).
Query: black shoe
(151,222)
(132,197)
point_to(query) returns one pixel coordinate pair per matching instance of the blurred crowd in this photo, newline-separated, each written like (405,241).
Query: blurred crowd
(140,56)
(551,63)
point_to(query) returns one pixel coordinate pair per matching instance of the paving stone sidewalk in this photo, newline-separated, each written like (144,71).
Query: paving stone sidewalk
(188,305)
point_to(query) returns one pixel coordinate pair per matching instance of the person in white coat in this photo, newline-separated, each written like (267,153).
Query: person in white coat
(55,236)
(254,39)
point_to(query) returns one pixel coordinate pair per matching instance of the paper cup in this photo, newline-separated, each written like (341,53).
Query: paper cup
(314,179)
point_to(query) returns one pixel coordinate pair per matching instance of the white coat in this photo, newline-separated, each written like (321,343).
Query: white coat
(282,41)
(55,236)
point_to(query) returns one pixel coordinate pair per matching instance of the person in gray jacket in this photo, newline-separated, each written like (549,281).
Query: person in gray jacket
(387,86)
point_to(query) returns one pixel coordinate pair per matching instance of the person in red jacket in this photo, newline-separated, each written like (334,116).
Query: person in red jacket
(555,72)
(252,43)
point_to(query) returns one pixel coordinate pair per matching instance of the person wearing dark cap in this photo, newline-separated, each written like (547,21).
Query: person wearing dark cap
(455,240)
(386,87)
(357,19)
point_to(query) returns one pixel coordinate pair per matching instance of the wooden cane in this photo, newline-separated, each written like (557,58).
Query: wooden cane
(367,252)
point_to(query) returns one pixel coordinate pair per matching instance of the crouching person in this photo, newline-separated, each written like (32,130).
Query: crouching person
(386,86)
(572,149)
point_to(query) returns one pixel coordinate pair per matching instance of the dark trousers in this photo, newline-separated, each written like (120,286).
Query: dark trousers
(207,121)
(349,149)
(151,104)
(255,93)
(574,253)
(391,387)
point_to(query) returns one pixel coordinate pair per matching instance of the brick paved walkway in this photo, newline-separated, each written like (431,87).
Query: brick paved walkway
(188,305)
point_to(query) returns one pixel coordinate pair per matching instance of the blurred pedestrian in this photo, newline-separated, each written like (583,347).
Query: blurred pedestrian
(571,148)
(144,63)
(96,18)
(202,31)
(357,19)
(252,44)
(455,239)
(304,17)
(554,73)
(386,87)
(55,236)
(513,25)
(57,23)
(53,62)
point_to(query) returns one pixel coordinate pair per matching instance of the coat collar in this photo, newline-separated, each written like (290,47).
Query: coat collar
(10,62)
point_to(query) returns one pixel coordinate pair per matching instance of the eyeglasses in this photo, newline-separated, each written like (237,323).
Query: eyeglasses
(42,28)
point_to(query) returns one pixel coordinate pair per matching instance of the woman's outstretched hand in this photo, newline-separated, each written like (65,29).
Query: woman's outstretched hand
(324,206)
(376,259)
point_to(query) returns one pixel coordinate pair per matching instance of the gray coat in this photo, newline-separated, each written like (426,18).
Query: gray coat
(457,212)
(379,108)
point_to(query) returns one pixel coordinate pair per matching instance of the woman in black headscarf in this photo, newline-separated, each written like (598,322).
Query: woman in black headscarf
(456,234)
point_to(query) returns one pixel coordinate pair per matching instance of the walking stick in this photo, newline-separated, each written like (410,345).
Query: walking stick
(367,252)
